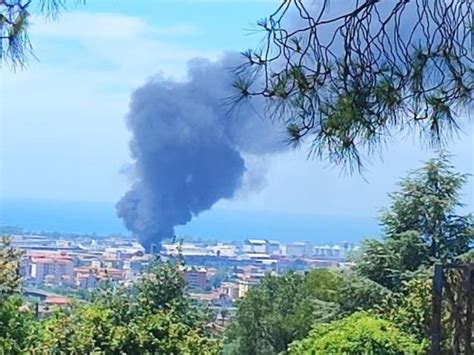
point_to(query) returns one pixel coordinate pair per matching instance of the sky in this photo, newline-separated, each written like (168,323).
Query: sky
(63,134)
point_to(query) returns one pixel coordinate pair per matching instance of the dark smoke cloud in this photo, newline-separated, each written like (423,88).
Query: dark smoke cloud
(189,149)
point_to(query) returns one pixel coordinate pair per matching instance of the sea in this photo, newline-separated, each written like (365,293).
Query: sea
(218,224)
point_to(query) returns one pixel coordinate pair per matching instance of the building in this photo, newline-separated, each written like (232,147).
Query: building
(25,268)
(259,259)
(256,246)
(137,264)
(58,301)
(246,283)
(113,263)
(52,268)
(251,277)
(223,250)
(86,278)
(231,290)
(296,250)
(113,275)
(337,251)
(326,251)
(309,251)
(196,277)
(274,247)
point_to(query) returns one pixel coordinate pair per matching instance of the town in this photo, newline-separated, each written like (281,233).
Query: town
(57,270)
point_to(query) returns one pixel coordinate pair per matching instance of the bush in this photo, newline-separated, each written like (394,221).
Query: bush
(360,333)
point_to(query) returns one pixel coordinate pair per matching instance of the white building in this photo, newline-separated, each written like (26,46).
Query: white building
(230,289)
(274,247)
(295,250)
(337,251)
(326,251)
(256,246)
(308,252)
(224,250)
(56,270)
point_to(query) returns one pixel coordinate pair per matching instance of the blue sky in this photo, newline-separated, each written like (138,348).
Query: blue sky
(63,134)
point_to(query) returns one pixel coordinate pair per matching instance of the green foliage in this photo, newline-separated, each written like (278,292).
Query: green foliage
(272,315)
(350,79)
(421,226)
(324,284)
(391,278)
(392,260)
(359,333)
(426,203)
(17,326)
(410,309)
(152,317)
(10,280)
(360,293)
(467,257)
(284,309)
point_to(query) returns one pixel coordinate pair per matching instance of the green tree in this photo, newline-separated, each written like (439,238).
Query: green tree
(17,325)
(346,291)
(324,284)
(283,309)
(360,333)
(154,316)
(275,313)
(427,203)
(18,328)
(360,293)
(10,280)
(420,226)
(350,77)
(410,308)
(393,259)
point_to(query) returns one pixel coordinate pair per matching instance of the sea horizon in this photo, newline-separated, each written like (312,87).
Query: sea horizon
(80,217)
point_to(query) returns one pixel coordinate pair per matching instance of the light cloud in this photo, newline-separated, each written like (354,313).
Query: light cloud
(127,46)
(63,116)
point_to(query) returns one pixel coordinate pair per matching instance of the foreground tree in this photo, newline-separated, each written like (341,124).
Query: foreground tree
(427,203)
(17,325)
(421,226)
(358,293)
(284,309)
(390,261)
(361,334)
(349,74)
(154,317)
(10,280)
(410,308)
(277,312)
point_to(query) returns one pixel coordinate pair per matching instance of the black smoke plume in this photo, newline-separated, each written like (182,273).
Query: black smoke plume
(189,148)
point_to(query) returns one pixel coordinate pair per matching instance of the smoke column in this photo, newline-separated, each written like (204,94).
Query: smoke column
(188,150)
